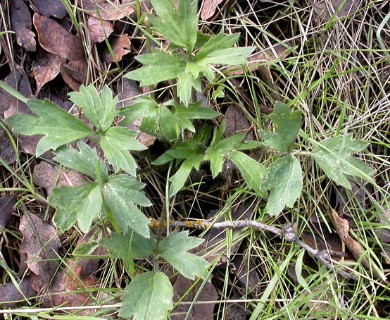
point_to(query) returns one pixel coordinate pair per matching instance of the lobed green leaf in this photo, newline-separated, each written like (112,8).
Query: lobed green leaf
(82,204)
(98,108)
(148,297)
(284,179)
(286,124)
(174,250)
(84,160)
(57,126)
(334,157)
(122,195)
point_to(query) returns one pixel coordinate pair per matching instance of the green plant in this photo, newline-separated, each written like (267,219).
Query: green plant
(116,195)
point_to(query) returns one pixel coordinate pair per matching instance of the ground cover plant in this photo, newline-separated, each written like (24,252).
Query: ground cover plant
(205,160)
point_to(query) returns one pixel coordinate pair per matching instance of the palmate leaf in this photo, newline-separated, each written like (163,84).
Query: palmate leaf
(287,124)
(148,297)
(76,204)
(84,160)
(130,246)
(122,194)
(98,108)
(115,144)
(252,171)
(57,126)
(284,179)
(178,26)
(334,156)
(174,250)
(160,66)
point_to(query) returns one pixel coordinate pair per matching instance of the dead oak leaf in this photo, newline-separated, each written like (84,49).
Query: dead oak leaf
(40,244)
(199,311)
(47,177)
(21,24)
(341,8)
(99,29)
(50,8)
(70,288)
(120,46)
(357,250)
(208,8)
(56,39)
(109,10)
(46,67)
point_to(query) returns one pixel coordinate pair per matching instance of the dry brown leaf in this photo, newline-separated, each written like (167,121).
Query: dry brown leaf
(199,311)
(120,46)
(46,176)
(55,39)
(99,29)
(109,10)
(77,70)
(9,105)
(208,8)
(7,152)
(40,244)
(68,288)
(50,8)
(342,227)
(10,295)
(21,24)
(7,203)
(247,274)
(237,122)
(46,67)
(327,8)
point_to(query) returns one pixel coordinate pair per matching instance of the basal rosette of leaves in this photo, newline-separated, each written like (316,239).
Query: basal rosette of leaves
(115,194)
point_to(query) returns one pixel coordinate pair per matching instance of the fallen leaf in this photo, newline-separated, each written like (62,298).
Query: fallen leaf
(10,296)
(9,105)
(70,288)
(208,8)
(199,311)
(342,227)
(237,122)
(55,39)
(50,8)
(46,67)
(120,46)
(7,152)
(7,203)
(99,29)
(40,243)
(246,272)
(77,69)
(108,10)
(47,177)
(21,24)
(326,9)
(69,80)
